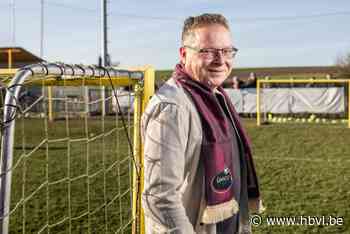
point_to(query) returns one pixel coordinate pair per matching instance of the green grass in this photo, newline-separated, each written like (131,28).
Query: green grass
(83,175)
(303,170)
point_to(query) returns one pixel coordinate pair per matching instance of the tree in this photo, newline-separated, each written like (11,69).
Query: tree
(343,64)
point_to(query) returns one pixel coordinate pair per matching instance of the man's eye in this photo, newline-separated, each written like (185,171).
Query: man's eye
(227,51)
(205,51)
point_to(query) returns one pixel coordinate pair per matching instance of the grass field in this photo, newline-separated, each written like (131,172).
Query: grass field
(303,170)
(82,183)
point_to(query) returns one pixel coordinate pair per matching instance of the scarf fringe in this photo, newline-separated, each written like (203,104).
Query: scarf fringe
(256,206)
(220,212)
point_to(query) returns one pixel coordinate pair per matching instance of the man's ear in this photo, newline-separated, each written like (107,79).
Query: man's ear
(182,52)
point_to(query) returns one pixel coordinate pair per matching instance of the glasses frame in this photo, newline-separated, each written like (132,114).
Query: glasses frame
(213,52)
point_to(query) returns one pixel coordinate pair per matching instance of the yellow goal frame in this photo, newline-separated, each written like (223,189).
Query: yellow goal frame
(56,75)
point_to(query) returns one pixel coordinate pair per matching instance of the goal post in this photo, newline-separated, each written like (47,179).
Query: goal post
(66,167)
(260,111)
(147,90)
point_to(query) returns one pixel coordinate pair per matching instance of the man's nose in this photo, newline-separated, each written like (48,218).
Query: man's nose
(219,56)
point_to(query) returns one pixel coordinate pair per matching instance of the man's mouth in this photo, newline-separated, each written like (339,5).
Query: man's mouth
(215,70)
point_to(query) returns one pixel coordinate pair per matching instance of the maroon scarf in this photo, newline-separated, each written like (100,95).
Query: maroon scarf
(216,151)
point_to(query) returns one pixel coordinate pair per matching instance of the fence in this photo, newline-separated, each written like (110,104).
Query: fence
(260,97)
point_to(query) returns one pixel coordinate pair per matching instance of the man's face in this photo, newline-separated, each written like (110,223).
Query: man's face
(211,71)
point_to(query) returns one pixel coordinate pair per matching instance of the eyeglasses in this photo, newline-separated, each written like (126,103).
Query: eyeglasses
(211,53)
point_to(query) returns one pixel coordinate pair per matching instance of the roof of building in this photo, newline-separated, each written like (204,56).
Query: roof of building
(19,56)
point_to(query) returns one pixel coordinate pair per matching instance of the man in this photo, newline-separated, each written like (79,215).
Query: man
(199,172)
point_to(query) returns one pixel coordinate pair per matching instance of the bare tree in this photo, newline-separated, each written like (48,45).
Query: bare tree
(343,64)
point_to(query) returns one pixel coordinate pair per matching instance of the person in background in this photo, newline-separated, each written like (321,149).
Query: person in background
(235,82)
(199,171)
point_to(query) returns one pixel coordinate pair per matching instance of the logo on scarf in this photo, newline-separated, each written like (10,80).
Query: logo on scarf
(222,181)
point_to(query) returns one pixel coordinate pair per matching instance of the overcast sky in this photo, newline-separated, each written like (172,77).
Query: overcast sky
(268,33)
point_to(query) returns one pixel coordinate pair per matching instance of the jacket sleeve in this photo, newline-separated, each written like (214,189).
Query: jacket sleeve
(165,136)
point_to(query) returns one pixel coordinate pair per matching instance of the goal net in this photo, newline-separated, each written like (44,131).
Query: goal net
(70,152)
(303,101)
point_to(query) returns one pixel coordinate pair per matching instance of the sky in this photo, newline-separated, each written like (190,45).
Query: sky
(268,33)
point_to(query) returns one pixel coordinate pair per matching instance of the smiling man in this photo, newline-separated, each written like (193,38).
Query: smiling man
(199,172)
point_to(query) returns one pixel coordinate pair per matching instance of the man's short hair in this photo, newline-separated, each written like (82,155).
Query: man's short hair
(194,22)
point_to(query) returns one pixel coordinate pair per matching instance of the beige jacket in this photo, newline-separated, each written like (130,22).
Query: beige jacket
(173,198)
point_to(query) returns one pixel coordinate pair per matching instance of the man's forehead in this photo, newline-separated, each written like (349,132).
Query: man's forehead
(212,33)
